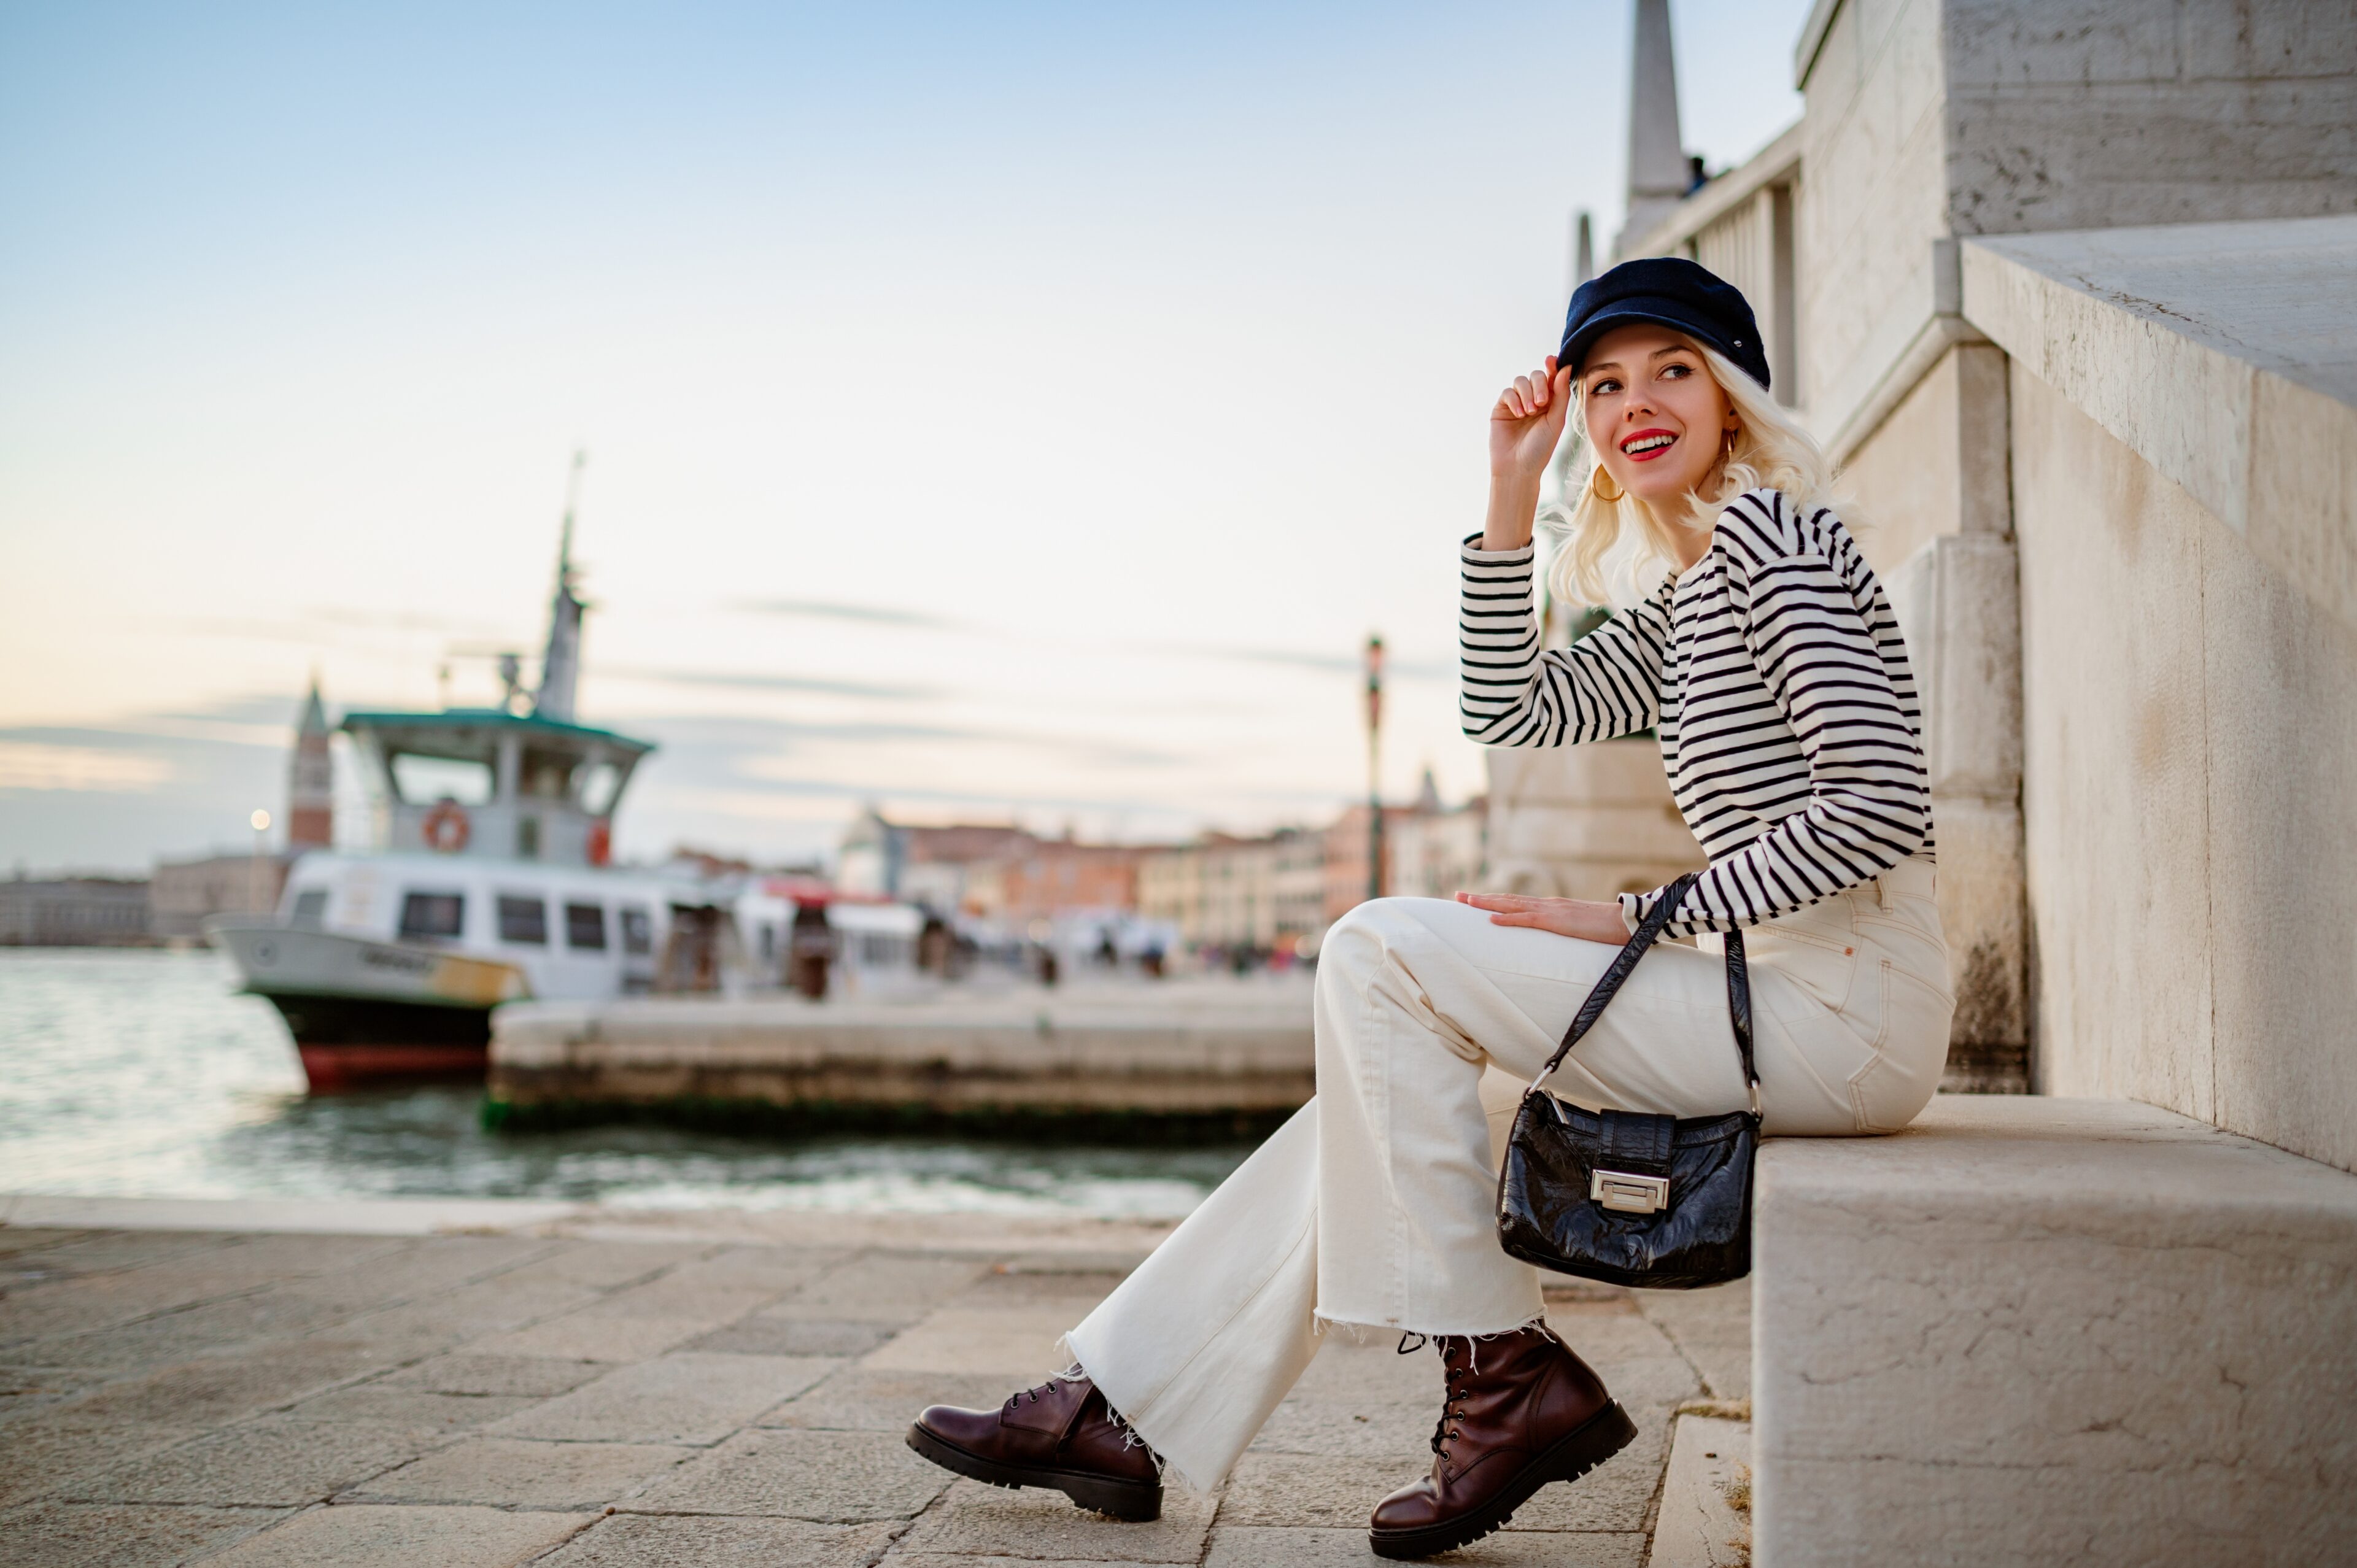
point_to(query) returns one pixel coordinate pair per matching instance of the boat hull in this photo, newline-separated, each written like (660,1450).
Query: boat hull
(366,1012)
(357,1042)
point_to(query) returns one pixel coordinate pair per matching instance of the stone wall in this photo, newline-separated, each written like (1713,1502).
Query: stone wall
(2190,740)
(1583,821)
(1934,501)
(2106,113)
(1873,195)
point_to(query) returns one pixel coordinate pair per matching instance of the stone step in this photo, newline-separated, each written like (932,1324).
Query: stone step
(2032,1330)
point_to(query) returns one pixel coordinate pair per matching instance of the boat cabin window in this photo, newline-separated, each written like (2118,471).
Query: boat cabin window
(528,838)
(311,907)
(600,782)
(432,914)
(418,779)
(638,932)
(584,927)
(547,775)
(524,920)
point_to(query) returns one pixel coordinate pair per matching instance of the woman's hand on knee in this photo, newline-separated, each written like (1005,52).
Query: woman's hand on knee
(1565,917)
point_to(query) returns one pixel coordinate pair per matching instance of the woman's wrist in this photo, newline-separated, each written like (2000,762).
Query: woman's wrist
(1514,503)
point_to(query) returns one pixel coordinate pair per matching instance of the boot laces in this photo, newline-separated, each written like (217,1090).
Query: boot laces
(1453,1379)
(1019,1396)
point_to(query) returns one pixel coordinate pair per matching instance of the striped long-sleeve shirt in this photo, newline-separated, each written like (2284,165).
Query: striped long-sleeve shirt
(1774,673)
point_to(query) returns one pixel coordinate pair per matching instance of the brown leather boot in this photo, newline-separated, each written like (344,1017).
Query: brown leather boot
(1061,1435)
(1520,1410)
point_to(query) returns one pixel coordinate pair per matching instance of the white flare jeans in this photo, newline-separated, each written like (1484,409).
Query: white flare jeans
(1374,1204)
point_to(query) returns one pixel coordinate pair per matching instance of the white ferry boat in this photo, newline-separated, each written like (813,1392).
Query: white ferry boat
(488,882)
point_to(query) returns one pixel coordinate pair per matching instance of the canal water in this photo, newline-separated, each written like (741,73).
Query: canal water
(143,1073)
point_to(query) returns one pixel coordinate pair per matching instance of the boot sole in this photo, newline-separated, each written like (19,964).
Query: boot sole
(1135,1501)
(1603,1435)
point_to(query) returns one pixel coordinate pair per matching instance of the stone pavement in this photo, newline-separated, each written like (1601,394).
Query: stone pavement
(705,1390)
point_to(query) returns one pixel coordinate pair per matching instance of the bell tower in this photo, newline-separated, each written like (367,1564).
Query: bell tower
(311,780)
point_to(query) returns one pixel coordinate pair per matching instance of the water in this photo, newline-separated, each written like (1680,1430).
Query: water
(142,1073)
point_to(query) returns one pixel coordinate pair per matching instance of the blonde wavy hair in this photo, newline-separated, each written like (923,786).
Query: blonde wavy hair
(1770,450)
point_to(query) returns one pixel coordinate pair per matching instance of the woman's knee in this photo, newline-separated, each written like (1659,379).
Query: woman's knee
(1368,929)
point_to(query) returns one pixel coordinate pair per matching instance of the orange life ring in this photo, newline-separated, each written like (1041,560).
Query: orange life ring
(601,842)
(447,828)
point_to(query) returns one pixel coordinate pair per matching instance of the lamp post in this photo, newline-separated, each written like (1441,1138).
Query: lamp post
(1374,768)
(253,896)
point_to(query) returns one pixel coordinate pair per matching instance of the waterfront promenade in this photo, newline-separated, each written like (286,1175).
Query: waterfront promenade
(467,1384)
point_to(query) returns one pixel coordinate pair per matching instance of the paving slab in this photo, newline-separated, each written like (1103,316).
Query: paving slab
(478,1372)
(606,1265)
(268,1462)
(1017,1343)
(472,1310)
(986,1521)
(1712,1329)
(1705,1516)
(794,1336)
(588,1335)
(828,1477)
(421,1268)
(696,1397)
(967,1559)
(1303,1491)
(882,1287)
(507,1472)
(641,1541)
(389,1404)
(48,1453)
(858,1399)
(209,1392)
(163,1338)
(735,1386)
(1280,1548)
(368,1536)
(121,1535)
(27,1389)
(777,1270)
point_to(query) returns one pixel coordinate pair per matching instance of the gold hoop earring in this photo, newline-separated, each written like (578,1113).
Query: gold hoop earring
(1597,479)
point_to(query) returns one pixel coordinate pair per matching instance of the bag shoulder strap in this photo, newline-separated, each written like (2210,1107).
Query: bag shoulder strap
(1649,931)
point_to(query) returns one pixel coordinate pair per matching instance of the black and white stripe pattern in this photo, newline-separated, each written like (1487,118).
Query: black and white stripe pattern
(1775,675)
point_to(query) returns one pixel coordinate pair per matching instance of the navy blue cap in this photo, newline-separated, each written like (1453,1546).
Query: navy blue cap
(1667,291)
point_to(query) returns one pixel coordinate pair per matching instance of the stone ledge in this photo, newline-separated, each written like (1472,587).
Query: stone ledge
(2037,1330)
(2217,352)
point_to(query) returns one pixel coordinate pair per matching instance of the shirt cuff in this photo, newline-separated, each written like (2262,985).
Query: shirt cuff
(1475,555)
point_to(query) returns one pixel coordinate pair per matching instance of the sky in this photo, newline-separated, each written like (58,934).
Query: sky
(1007,412)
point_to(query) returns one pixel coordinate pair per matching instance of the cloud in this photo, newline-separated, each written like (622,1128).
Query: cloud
(1322,663)
(731,679)
(829,609)
(735,742)
(35,765)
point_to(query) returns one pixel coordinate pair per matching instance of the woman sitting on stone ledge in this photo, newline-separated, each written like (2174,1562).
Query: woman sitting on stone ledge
(1769,661)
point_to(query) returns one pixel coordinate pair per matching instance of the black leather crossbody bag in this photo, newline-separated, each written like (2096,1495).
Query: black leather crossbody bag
(1659,1201)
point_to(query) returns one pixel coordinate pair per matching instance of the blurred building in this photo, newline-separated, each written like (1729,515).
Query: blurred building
(991,869)
(934,866)
(1038,878)
(1435,852)
(1265,893)
(182,893)
(73,912)
(1346,849)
